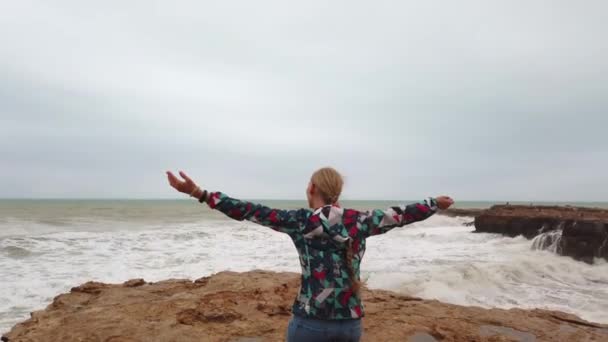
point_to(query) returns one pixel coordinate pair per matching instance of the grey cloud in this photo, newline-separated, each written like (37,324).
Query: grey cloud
(480,99)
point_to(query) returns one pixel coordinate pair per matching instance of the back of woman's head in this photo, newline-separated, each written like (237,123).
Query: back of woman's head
(329,183)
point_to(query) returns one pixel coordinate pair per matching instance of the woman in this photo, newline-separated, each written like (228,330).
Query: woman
(330,241)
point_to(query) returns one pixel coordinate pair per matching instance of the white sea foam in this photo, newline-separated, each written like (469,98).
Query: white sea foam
(438,258)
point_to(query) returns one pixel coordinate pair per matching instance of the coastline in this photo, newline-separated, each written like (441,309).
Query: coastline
(255,306)
(501,220)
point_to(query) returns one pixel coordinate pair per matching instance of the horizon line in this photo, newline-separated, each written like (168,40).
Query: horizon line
(277,199)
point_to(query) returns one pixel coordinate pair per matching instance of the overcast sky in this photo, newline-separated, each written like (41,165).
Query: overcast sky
(488,100)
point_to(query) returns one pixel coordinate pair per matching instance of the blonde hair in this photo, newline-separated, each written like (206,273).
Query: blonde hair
(329,182)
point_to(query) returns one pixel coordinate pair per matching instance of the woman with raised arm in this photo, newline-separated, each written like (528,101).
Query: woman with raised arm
(330,241)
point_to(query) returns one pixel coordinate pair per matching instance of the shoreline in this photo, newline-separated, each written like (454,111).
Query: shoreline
(505,220)
(256,306)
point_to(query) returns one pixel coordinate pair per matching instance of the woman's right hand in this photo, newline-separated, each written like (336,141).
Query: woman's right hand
(444,202)
(187,186)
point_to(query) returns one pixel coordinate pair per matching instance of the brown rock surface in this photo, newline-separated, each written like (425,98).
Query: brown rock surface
(255,306)
(584,230)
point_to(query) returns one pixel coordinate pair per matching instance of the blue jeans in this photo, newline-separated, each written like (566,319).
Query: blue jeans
(302,329)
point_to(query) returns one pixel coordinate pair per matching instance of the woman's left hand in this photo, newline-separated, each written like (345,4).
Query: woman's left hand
(187,186)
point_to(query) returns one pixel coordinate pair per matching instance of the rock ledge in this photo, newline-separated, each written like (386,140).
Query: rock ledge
(255,306)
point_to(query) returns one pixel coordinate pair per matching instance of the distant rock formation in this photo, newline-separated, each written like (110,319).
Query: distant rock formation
(581,233)
(461,212)
(255,306)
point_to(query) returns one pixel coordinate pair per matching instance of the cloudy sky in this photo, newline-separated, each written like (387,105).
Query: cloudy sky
(488,100)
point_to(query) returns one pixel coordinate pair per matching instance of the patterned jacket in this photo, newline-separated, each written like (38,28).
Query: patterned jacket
(321,237)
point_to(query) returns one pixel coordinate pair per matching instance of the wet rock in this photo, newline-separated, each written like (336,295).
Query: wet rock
(134,283)
(584,231)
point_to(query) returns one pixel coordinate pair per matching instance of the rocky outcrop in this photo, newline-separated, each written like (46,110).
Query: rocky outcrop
(255,306)
(581,233)
(456,212)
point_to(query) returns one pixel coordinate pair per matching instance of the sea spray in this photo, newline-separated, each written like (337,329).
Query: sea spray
(549,241)
(438,258)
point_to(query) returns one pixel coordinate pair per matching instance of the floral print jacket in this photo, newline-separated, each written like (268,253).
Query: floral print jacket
(321,237)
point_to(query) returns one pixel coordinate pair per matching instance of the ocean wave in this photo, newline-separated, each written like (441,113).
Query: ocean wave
(15,252)
(438,258)
(511,276)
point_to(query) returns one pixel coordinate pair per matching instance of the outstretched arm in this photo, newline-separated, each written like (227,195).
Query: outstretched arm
(285,221)
(378,221)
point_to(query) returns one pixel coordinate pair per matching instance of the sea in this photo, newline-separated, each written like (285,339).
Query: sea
(50,246)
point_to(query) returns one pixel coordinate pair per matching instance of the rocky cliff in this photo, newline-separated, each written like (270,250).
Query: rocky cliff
(581,233)
(255,306)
